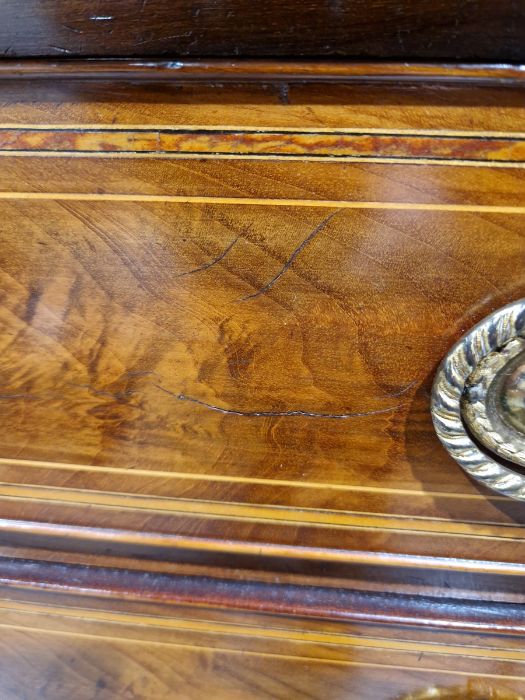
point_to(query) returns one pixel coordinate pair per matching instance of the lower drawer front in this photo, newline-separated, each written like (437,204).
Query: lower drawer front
(61,646)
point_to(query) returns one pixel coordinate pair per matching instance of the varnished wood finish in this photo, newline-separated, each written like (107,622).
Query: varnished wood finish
(325,144)
(251,342)
(279,598)
(185,70)
(69,643)
(222,310)
(399,29)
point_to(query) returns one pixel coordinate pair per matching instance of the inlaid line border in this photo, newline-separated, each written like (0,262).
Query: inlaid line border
(94,126)
(192,476)
(254,201)
(152,155)
(181,141)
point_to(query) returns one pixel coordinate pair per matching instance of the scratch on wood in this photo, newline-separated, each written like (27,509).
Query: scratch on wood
(60,49)
(276,414)
(284,93)
(73,29)
(164,38)
(122,395)
(401,391)
(216,260)
(292,257)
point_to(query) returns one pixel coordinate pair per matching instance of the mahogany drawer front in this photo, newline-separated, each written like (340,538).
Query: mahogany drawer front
(222,319)
(221,312)
(90,644)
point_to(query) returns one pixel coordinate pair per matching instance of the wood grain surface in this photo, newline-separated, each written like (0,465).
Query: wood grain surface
(71,643)
(249,70)
(221,311)
(401,29)
(210,347)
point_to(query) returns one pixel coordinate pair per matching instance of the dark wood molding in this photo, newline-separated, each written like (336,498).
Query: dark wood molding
(55,548)
(362,29)
(246,71)
(255,596)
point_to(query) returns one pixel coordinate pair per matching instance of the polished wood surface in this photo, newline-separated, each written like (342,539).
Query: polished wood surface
(244,324)
(72,644)
(326,144)
(222,309)
(245,70)
(398,29)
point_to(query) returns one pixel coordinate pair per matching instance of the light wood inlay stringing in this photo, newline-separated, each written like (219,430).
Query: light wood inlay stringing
(213,328)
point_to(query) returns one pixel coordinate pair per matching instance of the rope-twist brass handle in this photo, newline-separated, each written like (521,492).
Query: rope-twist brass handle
(478,401)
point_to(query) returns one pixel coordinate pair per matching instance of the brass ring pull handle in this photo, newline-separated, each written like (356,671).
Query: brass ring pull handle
(478,401)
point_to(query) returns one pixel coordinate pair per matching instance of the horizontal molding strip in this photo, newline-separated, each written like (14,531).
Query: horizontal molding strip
(262,71)
(161,544)
(394,146)
(23,577)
